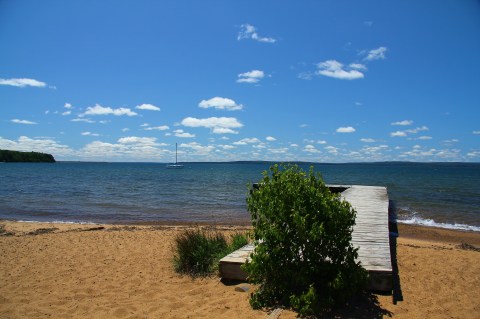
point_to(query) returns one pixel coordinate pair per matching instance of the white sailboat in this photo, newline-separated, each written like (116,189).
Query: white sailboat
(176,165)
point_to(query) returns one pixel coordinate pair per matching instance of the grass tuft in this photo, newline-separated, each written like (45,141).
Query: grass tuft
(197,252)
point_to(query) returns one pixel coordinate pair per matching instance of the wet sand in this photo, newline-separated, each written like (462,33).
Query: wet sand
(110,271)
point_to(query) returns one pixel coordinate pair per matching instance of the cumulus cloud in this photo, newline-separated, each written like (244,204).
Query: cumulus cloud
(67,106)
(403,123)
(220,103)
(248,31)
(17,121)
(66,113)
(337,70)
(200,149)
(181,133)
(410,131)
(347,129)
(310,149)
(149,107)
(89,134)
(270,138)
(218,125)
(367,140)
(23,82)
(100,110)
(418,129)
(398,134)
(246,141)
(137,140)
(376,54)
(156,128)
(85,120)
(253,76)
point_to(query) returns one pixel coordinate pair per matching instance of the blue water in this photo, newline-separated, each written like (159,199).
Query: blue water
(432,194)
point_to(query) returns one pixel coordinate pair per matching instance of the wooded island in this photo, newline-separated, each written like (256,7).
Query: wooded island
(16,156)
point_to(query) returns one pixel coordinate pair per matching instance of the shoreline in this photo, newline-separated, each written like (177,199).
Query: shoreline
(407,230)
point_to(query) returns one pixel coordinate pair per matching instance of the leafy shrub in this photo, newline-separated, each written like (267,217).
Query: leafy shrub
(303,257)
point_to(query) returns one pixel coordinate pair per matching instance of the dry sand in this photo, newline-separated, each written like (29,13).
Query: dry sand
(81,271)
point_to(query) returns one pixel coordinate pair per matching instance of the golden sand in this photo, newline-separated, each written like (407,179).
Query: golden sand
(108,271)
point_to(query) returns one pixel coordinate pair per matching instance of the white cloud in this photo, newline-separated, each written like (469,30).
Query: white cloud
(23,82)
(310,149)
(220,103)
(476,132)
(17,121)
(358,66)
(335,69)
(453,140)
(321,142)
(270,138)
(246,141)
(67,113)
(149,107)
(376,54)
(181,133)
(331,149)
(137,140)
(253,76)
(347,129)
(68,106)
(100,110)
(367,140)
(403,123)
(83,120)
(125,129)
(281,150)
(303,125)
(90,134)
(424,138)
(223,130)
(218,125)
(248,31)
(293,145)
(418,129)
(398,134)
(226,147)
(200,149)
(156,128)
(358,104)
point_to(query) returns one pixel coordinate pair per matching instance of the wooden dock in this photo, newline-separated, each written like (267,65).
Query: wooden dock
(370,235)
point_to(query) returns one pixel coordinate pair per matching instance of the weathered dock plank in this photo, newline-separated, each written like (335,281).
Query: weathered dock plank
(370,235)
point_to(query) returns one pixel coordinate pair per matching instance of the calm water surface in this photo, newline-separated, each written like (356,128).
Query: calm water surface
(436,194)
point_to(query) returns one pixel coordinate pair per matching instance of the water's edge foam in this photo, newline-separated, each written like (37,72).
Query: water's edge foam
(431,223)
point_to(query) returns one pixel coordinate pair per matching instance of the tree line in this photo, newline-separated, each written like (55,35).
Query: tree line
(16,156)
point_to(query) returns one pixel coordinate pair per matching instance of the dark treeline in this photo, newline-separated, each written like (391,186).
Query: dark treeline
(15,156)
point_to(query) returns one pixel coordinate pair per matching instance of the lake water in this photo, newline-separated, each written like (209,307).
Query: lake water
(431,194)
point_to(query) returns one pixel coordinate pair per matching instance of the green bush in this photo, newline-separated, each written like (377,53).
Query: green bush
(303,257)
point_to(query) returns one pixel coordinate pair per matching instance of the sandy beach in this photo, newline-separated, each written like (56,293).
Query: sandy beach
(111,271)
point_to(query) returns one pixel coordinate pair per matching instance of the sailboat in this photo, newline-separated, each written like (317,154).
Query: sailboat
(176,165)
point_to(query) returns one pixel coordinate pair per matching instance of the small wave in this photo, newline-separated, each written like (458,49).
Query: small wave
(415,220)
(56,222)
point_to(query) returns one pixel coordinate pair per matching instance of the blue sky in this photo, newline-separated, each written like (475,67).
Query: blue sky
(323,81)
